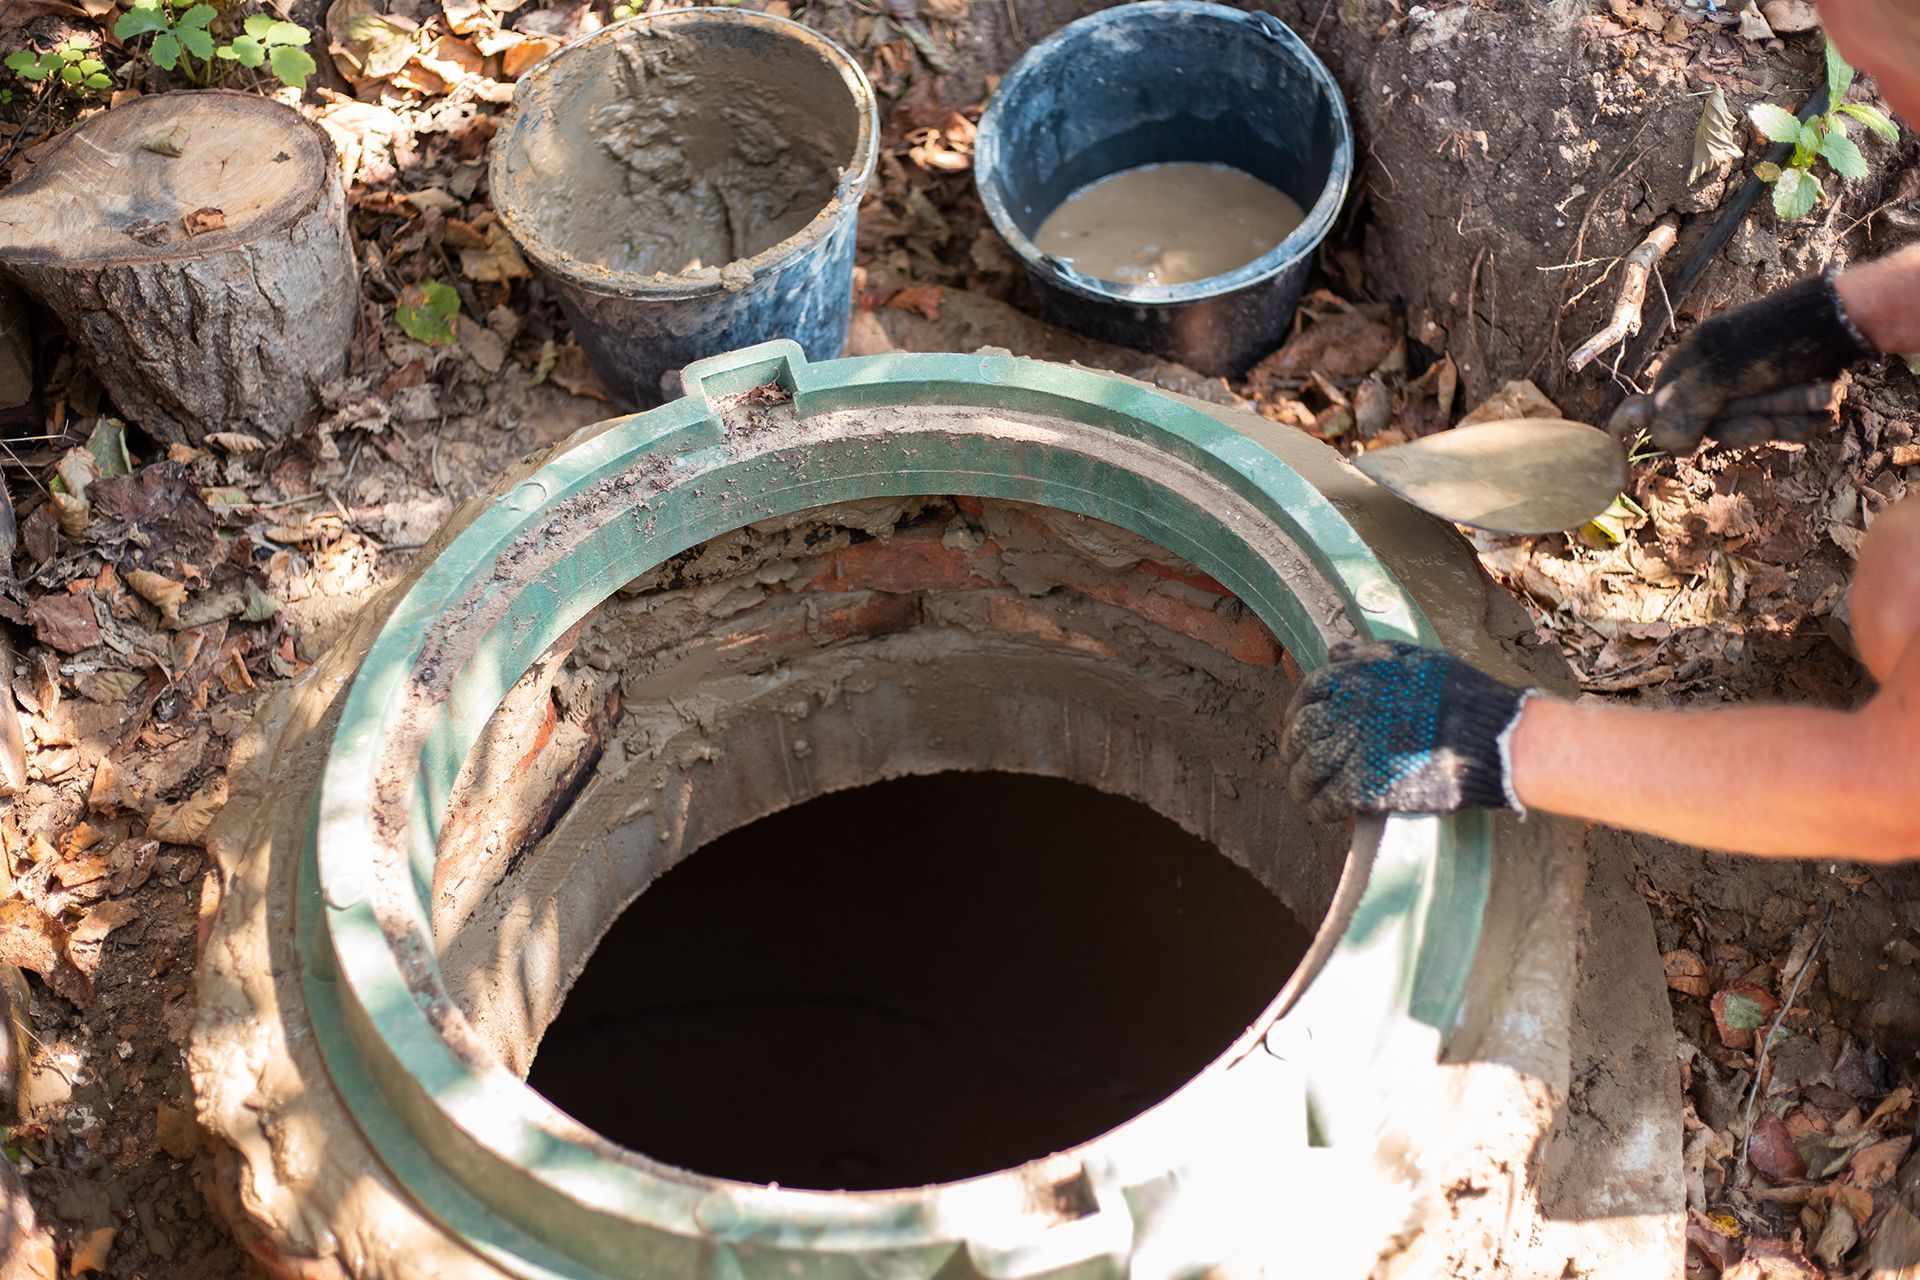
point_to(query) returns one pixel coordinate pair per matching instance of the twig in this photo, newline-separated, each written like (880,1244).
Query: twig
(1766,1043)
(1633,295)
(1552,344)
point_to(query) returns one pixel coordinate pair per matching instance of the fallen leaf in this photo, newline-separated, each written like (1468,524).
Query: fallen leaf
(106,796)
(1796,1062)
(1772,1260)
(1739,1009)
(236,442)
(572,373)
(1519,399)
(104,919)
(1772,1150)
(1342,345)
(187,820)
(1686,973)
(170,141)
(497,261)
(90,1250)
(31,940)
(525,56)
(64,622)
(115,684)
(204,219)
(160,591)
(1752,25)
(179,1136)
(921,299)
(1720,1243)
(1716,139)
(1890,1106)
(1873,1167)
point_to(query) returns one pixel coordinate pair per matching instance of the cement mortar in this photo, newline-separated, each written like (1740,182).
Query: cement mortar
(673,153)
(735,704)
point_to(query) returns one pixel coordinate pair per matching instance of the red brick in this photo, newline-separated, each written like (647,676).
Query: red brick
(1241,638)
(913,560)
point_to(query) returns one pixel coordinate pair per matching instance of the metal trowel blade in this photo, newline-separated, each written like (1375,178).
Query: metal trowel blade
(1523,476)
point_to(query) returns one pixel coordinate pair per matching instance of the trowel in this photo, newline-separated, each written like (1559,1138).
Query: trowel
(1521,476)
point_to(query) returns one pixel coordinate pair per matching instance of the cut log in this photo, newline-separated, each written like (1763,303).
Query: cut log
(16,350)
(214,289)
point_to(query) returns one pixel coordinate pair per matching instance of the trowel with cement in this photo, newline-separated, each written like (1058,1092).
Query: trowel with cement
(1521,476)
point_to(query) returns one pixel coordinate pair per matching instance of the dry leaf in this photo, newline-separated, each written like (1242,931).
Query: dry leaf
(236,442)
(499,260)
(1686,973)
(1740,1009)
(1343,345)
(64,622)
(106,796)
(205,219)
(1788,18)
(30,940)
(921,299)
(170,141)
(1772,1150)
(526,55)
(1772,1260)
(90,1250)
(571,372)
(160,591)
(72,514)
(1519,399)
(115,684)
(186,821)
(179,1136)
(1873,1167)
(104,919)
(1716,140)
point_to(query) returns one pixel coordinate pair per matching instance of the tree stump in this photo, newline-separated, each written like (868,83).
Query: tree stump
(214,289)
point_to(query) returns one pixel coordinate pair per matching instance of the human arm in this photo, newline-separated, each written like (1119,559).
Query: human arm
(1767,780)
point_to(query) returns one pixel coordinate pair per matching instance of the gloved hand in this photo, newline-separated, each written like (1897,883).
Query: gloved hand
(1760,371)
(1393,727)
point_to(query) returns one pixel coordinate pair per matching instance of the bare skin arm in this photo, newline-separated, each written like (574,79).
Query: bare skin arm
(1765,780)
(1880,297)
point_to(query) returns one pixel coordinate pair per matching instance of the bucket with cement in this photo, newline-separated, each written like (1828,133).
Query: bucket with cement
(1187,102)
(688,182)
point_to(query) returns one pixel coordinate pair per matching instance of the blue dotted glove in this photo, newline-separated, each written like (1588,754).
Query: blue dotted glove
(1394,728)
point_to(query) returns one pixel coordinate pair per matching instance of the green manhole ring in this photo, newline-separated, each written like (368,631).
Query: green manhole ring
(539,1195)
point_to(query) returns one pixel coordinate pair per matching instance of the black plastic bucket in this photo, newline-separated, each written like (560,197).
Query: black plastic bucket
(689,182)
(1157,83)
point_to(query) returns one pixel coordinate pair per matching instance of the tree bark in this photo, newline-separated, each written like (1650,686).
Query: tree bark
(213,290)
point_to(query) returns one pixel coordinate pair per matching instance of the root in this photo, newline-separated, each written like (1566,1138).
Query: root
(1633,295)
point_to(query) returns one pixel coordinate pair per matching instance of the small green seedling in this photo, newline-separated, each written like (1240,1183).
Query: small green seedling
(72,65)
(428,312)
(281,45)
(1796,190)
(182,40)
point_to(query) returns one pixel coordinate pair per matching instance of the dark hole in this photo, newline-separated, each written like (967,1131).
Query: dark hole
(915,982)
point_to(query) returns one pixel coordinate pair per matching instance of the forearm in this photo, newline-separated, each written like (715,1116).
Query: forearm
(1880,299)
(1764,780)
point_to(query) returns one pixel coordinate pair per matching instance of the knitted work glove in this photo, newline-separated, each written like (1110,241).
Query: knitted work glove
(1396,728)
(1758,372)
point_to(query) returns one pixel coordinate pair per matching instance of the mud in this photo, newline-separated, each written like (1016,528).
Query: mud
(674,151)
(1168,224)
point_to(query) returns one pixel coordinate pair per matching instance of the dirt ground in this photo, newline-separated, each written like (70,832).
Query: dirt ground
(1512,151)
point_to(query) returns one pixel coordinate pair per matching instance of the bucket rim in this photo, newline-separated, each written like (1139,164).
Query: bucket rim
(1298,244)
(609,282)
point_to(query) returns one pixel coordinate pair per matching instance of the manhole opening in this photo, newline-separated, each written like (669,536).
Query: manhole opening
(915,981)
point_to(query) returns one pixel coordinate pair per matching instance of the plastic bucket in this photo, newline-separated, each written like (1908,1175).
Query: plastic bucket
(688,182)
(1157,83)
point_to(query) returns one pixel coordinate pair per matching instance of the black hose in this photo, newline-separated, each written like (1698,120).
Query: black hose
(1708,249)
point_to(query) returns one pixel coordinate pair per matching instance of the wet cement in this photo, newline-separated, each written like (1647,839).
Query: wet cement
(677,152)
(913,982)
(1168,224)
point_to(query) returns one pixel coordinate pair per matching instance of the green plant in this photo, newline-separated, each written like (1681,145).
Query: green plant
(1796,190)
(72,65)
(183,40)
